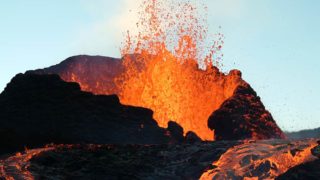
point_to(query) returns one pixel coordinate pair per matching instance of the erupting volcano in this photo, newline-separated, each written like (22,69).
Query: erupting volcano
(164,110)
(169,68)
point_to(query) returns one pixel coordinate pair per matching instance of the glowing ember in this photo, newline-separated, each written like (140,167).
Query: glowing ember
(261,159)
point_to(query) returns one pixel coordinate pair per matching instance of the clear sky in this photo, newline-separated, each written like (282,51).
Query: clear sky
(275,43)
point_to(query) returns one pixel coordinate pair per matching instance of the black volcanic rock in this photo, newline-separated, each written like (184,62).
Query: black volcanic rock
(306,171)
(39,109)
(192,137)
(176,132)
(243,116)
(178,161)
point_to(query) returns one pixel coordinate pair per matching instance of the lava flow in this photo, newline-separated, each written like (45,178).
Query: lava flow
(261,159)
(16,167)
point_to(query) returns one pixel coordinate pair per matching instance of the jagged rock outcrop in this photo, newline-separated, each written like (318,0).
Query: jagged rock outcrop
(40,109)
(192,137)
(243,116)
(176,132)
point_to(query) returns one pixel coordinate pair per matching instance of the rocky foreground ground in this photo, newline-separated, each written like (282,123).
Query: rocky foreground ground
(184,161)
(207,160)
(37,108)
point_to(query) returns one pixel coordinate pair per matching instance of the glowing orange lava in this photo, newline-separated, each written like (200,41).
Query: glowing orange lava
(168,72)
(261,159)
(16,167)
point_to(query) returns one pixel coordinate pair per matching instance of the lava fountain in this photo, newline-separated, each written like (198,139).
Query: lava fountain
(167,70)
(171,66)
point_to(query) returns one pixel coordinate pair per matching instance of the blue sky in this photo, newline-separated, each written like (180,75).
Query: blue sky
(274,43)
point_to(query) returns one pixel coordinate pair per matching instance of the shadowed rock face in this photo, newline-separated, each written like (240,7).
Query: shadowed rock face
(306,171)
(39,109)
(243,116)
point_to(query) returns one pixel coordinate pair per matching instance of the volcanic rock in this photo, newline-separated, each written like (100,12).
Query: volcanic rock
(192,137)
(178,161)
(40,109)
(243,116)
(306,171)
(176,132)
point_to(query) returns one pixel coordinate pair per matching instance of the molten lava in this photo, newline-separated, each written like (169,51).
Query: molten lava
(165,74)
(261,159)
(179,92)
